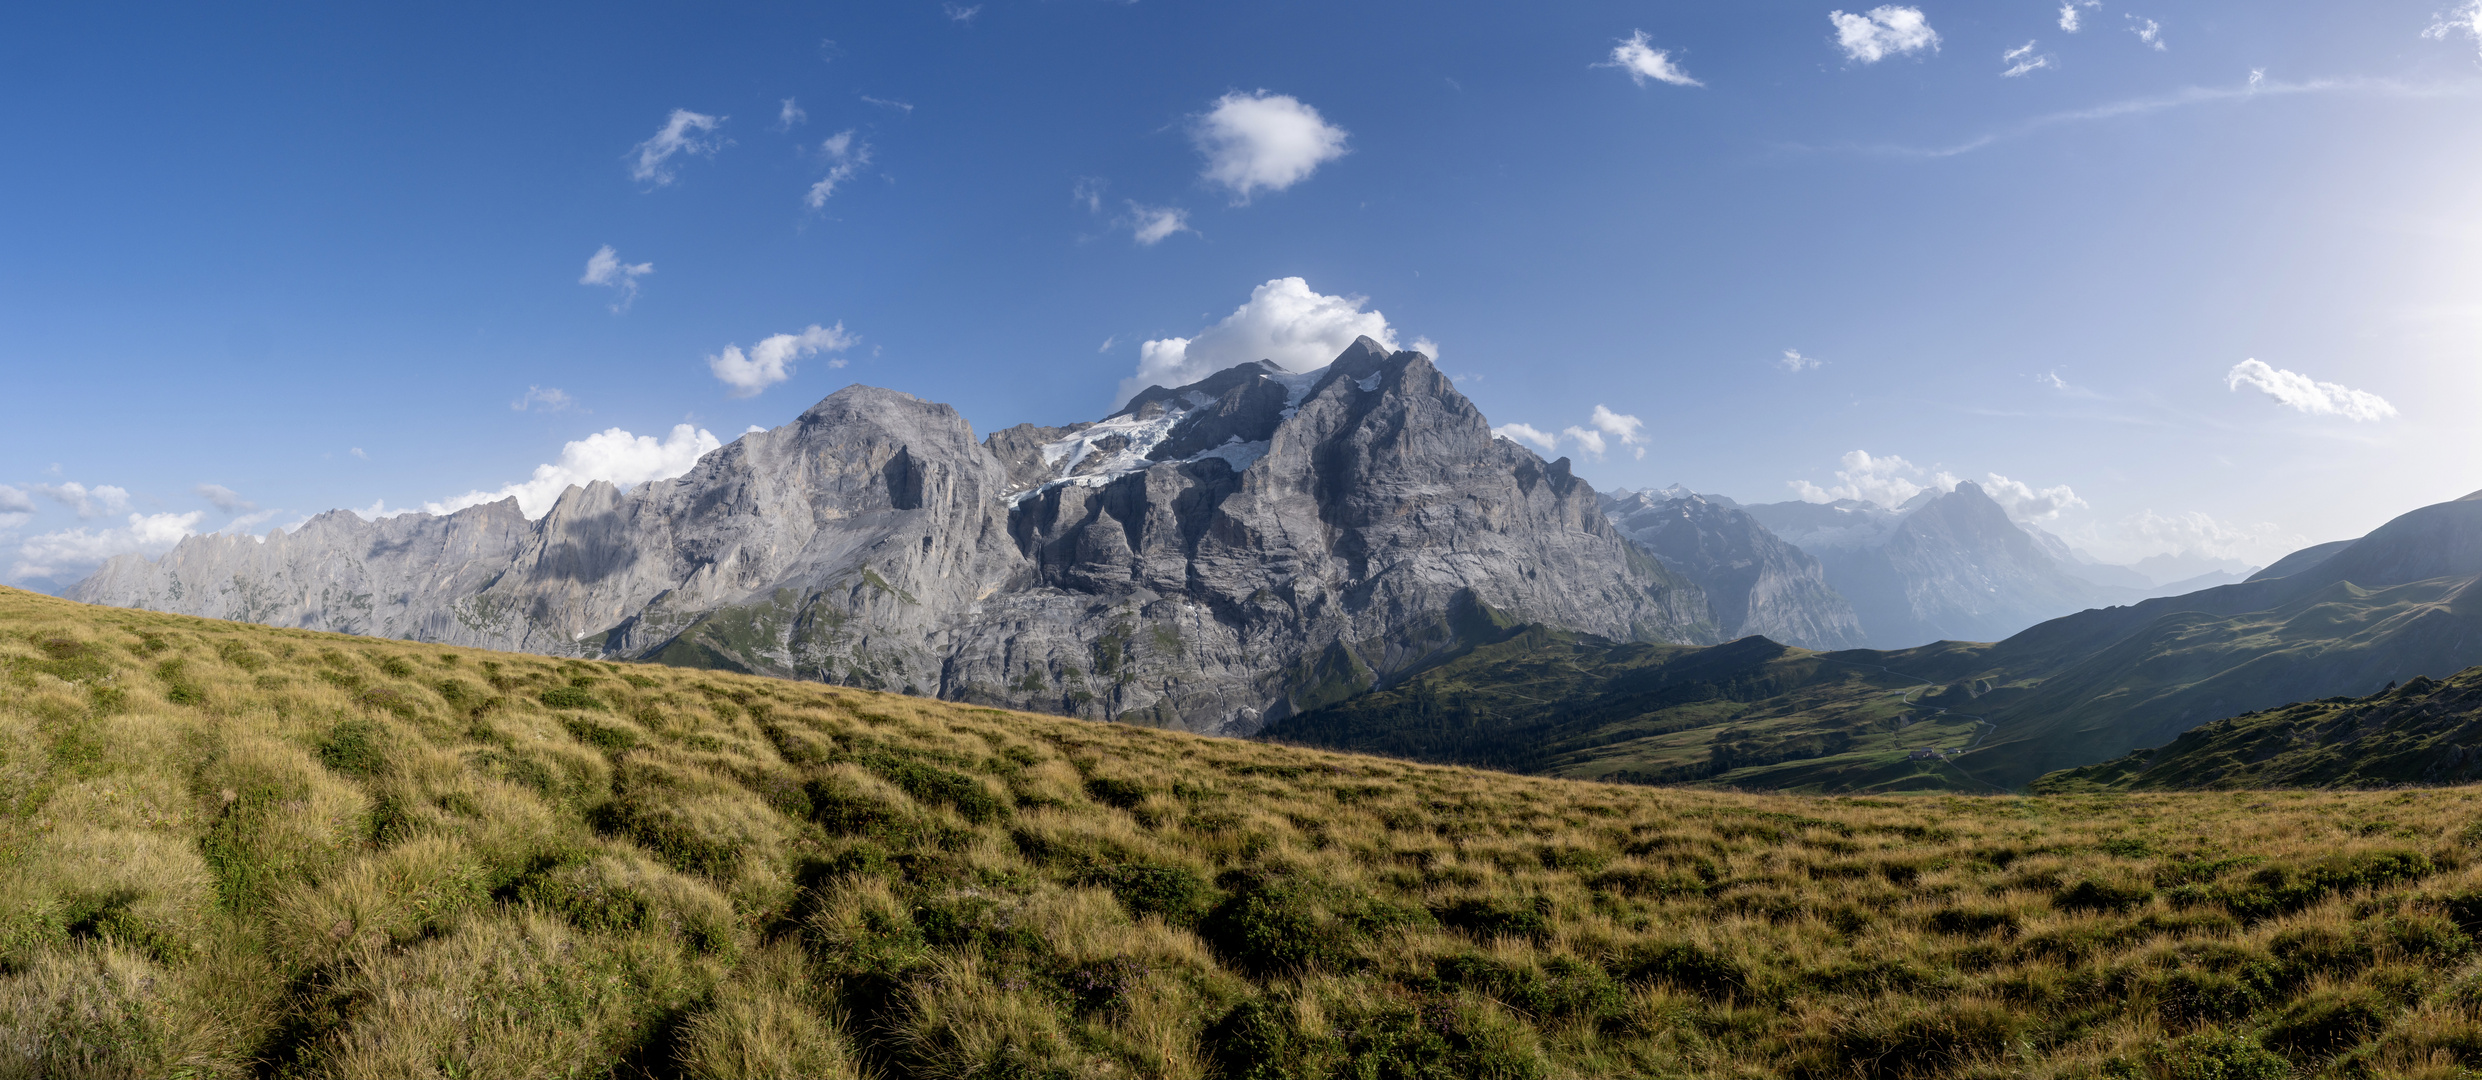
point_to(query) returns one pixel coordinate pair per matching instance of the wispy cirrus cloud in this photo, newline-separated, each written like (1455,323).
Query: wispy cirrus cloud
(845,157)
(2257,85)
(2022,60)
(684,132)
(87,502)
(2148,31)
(1153,224)
(1643,61)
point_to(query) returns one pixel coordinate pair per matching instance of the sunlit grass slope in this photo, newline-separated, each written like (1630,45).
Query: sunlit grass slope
(232,850)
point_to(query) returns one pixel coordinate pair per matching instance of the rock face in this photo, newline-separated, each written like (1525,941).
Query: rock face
(1755,582)
(1212,556)
(1943,567)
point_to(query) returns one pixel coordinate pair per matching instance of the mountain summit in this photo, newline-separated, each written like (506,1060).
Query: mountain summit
(1210,556)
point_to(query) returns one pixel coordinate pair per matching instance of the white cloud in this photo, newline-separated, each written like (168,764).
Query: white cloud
(357,452)
(1426,347)
(613,455)
(1526,433)
(1793,361)
(2069,15)
(790,115)
(543,399)
(1107,344)
(94,502)
(2022,60)
(886,103)
(224,498)
(845,157)
(2026,502)
(1589,441)
(605,268)
(2306,394)
(1151,224)
(1643,62)
(1884,31)
(1887,481)
(685,132)
(2466,20)
(771,361)
(2148,31)
(56,554)
(241,526)
(2148,533)
(1627,429)
(16,508)
(1262,140)
(960,14)
(1284,321)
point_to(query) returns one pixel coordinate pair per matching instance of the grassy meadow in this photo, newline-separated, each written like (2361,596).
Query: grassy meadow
(231,850)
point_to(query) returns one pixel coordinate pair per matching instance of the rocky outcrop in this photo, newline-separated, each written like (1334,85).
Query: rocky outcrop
(1211,556)
(1754,581)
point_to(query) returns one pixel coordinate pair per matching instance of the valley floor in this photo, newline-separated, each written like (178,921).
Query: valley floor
(231,850)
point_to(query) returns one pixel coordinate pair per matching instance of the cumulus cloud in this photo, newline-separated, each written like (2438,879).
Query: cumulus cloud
(2026,502)
(1527,433)
(543,399)
(1427,347)
(79,551)
(790,115)
(613,455)
(685,132)
(1627,429)
(1643,61)
(2148,31)
(1262,141)
(771,361)
(2466,20)
(1882,32)
(2307,394)
(844,157)
(1593,438)
(224,498)
(16,507)
(1151,224)
(1887,481)
(2070,19)
(2021,60)
(1284,321)
(605,268)
(94,502)
(1793,361)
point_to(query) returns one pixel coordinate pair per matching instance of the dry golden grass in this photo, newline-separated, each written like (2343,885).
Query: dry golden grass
(231,850)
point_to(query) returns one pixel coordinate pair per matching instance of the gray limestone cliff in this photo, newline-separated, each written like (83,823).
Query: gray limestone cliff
(1211,557)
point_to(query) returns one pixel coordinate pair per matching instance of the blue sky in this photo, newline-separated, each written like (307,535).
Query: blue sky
(258,263)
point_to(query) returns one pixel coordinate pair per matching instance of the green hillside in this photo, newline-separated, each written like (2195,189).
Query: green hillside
(229,850)
(2424,732)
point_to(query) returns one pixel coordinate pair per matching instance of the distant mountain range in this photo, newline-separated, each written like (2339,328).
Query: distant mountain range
(2400,603)
(1209,556)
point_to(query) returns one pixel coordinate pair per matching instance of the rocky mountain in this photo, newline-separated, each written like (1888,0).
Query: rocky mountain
(1943,567)
(1210,556)
(1754,581)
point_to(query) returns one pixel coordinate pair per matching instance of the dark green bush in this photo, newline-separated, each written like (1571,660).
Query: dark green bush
(2092,895)
(1490,917)
(354,747)
(931,784)
(1685,965)
(1124,794)
(1270,927)
(601,735)
(2326,1024)
(1174,893)
(569,697)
